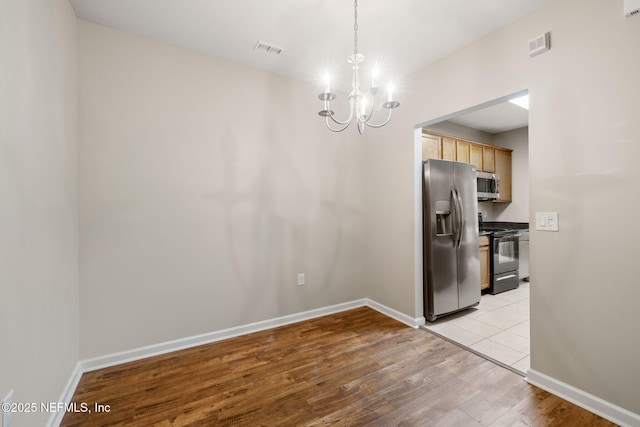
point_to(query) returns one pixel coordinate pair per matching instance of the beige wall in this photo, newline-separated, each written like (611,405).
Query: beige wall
(38,202)
(584,141)
(205,187)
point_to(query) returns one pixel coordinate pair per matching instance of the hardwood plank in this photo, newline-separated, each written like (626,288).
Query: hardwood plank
(357,367)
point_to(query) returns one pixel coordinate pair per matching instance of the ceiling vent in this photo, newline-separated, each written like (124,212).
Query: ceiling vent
(631,8)
(268,47)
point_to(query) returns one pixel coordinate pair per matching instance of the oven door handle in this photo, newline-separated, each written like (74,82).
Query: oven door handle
(506,277)
(509,236)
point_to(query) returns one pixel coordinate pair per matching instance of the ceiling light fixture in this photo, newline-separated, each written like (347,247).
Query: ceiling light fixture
(361,104)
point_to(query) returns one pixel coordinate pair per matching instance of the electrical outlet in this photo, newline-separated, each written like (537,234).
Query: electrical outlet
(7,416)
(300,279)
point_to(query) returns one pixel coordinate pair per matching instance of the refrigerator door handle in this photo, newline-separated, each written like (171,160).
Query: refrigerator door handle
(459,217)
(456,215)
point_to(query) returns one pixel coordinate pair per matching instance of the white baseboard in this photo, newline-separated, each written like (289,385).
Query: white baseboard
(193,341)
(188,342)
(67,394)
(395,314)
(588,401)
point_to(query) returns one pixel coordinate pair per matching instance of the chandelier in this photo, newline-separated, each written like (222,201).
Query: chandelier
(361,103)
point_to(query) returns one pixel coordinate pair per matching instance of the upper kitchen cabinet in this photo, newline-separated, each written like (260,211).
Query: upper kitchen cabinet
(475,155)
(487,158)
(431,147)
(438,147)
(448,148)
(503,169)
(462,152)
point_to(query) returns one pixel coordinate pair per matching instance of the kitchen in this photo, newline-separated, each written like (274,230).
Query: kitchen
(497,327)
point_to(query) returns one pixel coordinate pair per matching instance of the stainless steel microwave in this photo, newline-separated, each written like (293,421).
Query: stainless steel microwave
(488,185)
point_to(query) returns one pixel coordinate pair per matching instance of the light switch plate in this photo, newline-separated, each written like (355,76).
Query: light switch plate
(547,221)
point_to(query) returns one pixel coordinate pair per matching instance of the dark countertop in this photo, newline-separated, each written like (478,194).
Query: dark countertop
(504,225)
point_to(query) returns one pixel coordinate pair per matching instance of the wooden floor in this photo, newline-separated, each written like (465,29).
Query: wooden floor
(353,368)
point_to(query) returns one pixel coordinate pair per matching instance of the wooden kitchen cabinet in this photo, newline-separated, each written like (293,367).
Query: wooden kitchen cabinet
(503,169)
(488,159)
(438,147)
(431,147)
(448,148)
(462,151)
(475,155)
(485,253)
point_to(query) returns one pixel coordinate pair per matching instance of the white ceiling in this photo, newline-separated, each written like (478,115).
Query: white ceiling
(495,119)
(403,36)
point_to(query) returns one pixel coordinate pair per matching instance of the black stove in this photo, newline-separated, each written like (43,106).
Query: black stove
(504,254)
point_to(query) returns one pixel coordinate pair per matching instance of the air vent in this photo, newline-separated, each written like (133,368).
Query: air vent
(631,8)
(540,44)
(268,47)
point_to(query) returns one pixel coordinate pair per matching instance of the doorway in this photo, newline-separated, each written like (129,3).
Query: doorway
(498,327)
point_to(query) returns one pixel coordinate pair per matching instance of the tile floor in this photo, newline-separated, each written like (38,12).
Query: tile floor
(498,327)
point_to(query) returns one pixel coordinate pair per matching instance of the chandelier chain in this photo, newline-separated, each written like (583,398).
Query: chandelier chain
(355,27)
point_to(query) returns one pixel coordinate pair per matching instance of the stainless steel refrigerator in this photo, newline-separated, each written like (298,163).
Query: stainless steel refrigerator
(450,230)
